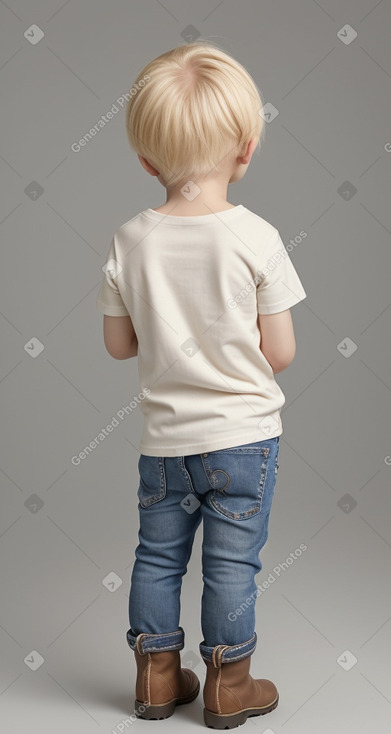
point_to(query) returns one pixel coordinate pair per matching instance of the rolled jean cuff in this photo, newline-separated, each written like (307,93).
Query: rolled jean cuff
(148,642)
(228,653)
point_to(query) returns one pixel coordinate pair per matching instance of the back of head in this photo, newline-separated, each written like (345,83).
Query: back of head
(196,105)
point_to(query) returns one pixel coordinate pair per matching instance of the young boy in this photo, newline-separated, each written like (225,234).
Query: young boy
(200,290)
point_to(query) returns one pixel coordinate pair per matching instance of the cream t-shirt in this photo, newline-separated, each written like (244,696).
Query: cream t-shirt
(193,287)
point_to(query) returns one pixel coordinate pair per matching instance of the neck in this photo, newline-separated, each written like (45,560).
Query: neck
(197,198)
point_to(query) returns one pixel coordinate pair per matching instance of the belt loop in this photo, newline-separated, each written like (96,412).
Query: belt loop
(138,640)
(218,651)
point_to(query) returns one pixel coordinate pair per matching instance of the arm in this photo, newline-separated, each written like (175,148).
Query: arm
(120,337)
(278,343)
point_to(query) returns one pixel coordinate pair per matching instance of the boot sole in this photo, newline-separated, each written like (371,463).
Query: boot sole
(163,710)
(230,721)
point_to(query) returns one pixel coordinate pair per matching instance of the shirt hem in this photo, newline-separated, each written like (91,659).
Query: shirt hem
(111,310)
(281,306)
(217,445)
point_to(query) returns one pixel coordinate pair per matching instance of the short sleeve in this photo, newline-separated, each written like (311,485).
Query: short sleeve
(109,300)
(278,284)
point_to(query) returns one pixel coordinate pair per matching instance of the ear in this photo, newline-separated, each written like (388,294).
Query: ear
(150,169)
(250,149)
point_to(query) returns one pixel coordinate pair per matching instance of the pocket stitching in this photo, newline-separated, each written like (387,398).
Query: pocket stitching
(265,452)
(162,490)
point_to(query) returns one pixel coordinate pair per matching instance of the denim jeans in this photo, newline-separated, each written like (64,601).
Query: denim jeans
(232,491)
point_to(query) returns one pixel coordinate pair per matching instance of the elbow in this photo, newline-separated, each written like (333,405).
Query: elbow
(279,366)
(282,361)
(121,349)
(121,354)
(118,355)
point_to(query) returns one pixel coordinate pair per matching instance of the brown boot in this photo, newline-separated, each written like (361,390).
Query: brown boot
(231,694)
(162,684)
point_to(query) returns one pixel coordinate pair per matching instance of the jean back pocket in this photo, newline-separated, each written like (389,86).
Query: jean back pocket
(152,486)
(241,479)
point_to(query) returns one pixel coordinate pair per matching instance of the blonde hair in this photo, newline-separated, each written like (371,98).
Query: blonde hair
(194,105)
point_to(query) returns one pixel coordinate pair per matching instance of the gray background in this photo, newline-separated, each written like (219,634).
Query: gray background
(325,169)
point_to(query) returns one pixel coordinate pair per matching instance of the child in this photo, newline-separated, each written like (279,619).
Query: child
(200,290)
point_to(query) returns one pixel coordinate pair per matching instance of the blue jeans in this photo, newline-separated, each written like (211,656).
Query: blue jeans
(232,491)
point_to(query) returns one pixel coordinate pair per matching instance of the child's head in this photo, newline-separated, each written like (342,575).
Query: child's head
(196,106)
